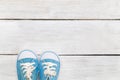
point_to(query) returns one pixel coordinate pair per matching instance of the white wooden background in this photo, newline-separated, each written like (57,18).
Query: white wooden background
(85,33)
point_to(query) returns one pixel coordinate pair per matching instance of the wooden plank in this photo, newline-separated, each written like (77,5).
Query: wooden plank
(72,68)
(63,37)
(60,9)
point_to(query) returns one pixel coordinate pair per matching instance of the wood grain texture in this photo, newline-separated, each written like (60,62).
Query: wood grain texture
(63,37)
(72,68)
(60,9)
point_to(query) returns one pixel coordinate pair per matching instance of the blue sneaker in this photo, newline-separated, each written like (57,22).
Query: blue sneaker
(27,65)
(49,66)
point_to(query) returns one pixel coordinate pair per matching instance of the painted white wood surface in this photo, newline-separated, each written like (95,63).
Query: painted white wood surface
(63,37)
(72,68)
(60,9)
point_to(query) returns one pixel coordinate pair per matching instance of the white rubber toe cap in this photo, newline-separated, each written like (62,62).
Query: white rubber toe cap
(26,54)
(50,55)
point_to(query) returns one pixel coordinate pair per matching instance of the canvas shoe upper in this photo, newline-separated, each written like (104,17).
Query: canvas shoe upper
(49,66)
(27,65)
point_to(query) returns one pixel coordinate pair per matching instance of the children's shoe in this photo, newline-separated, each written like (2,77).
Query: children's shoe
(49,66)
(27,65)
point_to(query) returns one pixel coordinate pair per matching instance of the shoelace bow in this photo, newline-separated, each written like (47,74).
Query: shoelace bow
(27,70)
(50,70)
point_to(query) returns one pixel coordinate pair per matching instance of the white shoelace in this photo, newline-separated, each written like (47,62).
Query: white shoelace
(49,71)
(27,69)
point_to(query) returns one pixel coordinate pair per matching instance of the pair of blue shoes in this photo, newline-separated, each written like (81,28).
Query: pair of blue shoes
(30,68)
